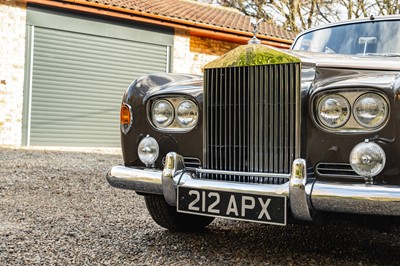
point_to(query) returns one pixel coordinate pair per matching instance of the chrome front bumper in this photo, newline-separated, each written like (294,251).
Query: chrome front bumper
(303,196)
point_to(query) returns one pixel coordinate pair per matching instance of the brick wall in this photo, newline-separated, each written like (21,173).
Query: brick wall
(191,53)
(12,61)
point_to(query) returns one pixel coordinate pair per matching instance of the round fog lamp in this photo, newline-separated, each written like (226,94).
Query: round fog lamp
(367,159)
(148,150)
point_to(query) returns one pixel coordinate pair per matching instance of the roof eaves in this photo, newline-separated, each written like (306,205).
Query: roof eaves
(171,20)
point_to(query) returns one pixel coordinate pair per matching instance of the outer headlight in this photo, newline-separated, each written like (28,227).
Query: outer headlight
(187,113)
(333,110)
(162,113)
(370,110)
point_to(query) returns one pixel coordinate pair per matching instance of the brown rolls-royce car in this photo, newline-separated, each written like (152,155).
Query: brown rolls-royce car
(271,136)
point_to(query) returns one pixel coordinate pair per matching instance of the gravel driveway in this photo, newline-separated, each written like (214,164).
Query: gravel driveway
(56,208)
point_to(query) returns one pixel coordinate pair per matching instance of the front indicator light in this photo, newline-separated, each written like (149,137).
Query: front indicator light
(367,159)
(125,118)
(333,111)
(148,151)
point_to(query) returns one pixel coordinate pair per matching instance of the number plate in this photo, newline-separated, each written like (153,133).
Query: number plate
(238,206)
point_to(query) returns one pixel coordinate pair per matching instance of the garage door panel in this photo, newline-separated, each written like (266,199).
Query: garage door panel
(74,86)
(71,130)
(77,85)
(73,113)
(53,55)
(96,69)
(68,100)
(94,45)
(86,41)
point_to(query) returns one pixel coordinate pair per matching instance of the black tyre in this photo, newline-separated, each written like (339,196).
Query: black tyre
(166,216)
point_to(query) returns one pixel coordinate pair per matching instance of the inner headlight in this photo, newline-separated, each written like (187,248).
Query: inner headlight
(187,113)
(162,113)
(333,110)
(370,110)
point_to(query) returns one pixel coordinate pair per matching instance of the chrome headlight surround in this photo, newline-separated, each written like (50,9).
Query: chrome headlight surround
(185,114)
(353,97)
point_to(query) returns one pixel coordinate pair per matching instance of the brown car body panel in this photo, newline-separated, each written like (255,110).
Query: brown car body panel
(317,144)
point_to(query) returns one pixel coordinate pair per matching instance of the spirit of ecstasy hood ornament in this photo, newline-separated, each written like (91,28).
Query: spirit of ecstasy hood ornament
(255,24)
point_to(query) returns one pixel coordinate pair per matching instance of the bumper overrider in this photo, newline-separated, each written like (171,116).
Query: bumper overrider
(303,197)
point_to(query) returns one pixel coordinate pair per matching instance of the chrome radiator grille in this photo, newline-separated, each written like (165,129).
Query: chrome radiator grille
(250,121)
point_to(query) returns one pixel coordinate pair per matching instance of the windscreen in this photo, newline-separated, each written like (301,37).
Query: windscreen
(366,38)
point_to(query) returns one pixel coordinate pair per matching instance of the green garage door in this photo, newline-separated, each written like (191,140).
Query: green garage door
(77,83)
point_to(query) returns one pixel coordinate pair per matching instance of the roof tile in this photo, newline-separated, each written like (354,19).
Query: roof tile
(193,11)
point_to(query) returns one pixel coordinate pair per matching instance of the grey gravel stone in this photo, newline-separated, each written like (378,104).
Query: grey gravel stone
(56,208)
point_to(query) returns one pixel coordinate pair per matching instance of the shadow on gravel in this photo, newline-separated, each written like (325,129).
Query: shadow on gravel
(335,244)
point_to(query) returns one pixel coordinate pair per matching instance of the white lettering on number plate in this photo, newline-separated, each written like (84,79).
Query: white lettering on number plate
(240,206)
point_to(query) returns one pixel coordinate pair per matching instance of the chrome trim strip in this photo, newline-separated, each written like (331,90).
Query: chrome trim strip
(362,62)
(236,173)
(298,123)
(356,198)
(263,189)
(339,170)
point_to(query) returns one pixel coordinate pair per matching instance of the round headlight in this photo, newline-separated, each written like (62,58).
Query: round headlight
(370,110)
(333,111)
(367,159)
(187,113)
(148,150)
(162,113)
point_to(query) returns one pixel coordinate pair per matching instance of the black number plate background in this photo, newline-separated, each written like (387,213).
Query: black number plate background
(238,206)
